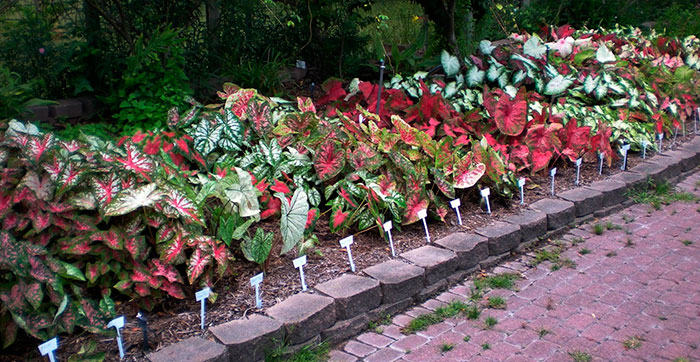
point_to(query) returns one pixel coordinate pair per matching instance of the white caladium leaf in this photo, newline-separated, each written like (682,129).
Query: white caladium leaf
(622,102)
(131,199)
(15,127)
(519,76)
(243,193)
(604,55)
(293,219)
(420,75)
(475,76)
(450,90)
(590,83)
(528,63)
(42,188)
(205,136)
(653,101)
(551,71)
(503,79)
(486,47)
(450,63)
(511,91)
(601,90)
(459,79)
(232,131)
(693,61)
(558,85)
(534,48)
(494,71)
(616,88)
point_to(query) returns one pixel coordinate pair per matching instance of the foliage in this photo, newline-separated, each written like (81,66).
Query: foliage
(16,95)
(152,83)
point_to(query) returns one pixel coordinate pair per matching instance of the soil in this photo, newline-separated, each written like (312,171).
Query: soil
(175,320)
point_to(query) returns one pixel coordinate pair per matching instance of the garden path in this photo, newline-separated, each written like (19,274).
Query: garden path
(632,293)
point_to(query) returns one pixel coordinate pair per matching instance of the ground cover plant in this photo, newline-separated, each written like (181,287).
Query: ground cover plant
(88,222)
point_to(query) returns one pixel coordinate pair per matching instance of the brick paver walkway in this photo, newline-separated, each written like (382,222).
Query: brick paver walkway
(639,284)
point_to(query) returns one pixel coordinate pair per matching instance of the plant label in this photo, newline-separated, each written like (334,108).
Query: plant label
(118,324)
(379,86)
(521,186)
(387,229)
(552,173)
(299,264)
(675,135)
(48,348)
(301,64)
(255,281)
(455,204)
(485,193)
(361,119)
(625,149)
(422,214)
(697,115)
(345,243)
(600,165)
(201,296)
(578,170)
(644,149)
(660,137)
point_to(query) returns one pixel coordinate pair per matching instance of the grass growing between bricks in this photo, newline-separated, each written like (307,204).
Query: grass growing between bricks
(658,194)
(580,356)
(424,321)
(632,342)
(312,353)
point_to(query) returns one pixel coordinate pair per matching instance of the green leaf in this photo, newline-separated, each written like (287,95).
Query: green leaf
(293,220)
(72,271)
(258,248)
(582,56)
(450,63)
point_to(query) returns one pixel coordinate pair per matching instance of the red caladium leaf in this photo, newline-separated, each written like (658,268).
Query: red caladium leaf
(601,142)
(39,271)
(577,140)
(95,320)
(33,294)
(92,272)
(405,131)
(511,115)
(182,205)
(228,90)
(338,218)
(467,174)
(136,162)
(142,289)
(259,115)
(5,205)
(416,202)
(305,104)
(112,238)
(136,246)
(364,157)
(40,220)
(165,270)
(311,217)
(329,160)
(238,101)
(71,176)
(106,188)
(174,249)
(540,159)
(222,255)
(280,186)
(75,246)
(10,222)
(23,194)
(172,289)
(197,264)
(38,146)
(544,137)
(334,91)
(445,187)
(152,147)
(54,168)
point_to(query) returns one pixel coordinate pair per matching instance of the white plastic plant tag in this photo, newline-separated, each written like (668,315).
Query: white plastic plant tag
(660,137)
(301,64)
(578,170)
(118,324)
(455,204)
(552,173)
(625,149)
(299,264)
(345,243)
(675,135)
(255,281)
(201,296)
(361,119)
(48,348)
(644,149)
(422,214)
(387,229)
(521,186)
(485,193)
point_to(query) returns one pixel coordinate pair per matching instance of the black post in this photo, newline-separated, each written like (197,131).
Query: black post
(381,83)
(313,85)
(141,317)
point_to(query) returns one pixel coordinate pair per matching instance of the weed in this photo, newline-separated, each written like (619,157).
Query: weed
(598,229)
(550,304)
(611,254)
(446,347)
(543,332)
(568,263)
(584,251)
(629,242)
(500,281)
(490,322)
(473,312)
(466,338)
(580,356)
(610,226)
(497,302)
(578,240)
(555,267)
(485,346)
(310,353)
(632,342)
(681,359)
(377,325)
(687,242)
(628,219)
(422,322)
(658,194)
(546,255)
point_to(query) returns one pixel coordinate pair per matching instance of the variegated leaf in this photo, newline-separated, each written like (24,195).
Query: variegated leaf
(130,200)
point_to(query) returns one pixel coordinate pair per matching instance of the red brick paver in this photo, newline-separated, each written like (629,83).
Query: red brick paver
(641,281)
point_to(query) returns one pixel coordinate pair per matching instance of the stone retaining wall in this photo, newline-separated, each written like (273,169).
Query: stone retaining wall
(343,307)
(73,108)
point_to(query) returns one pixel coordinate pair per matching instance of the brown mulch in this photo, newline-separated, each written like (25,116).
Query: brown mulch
(175,320)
